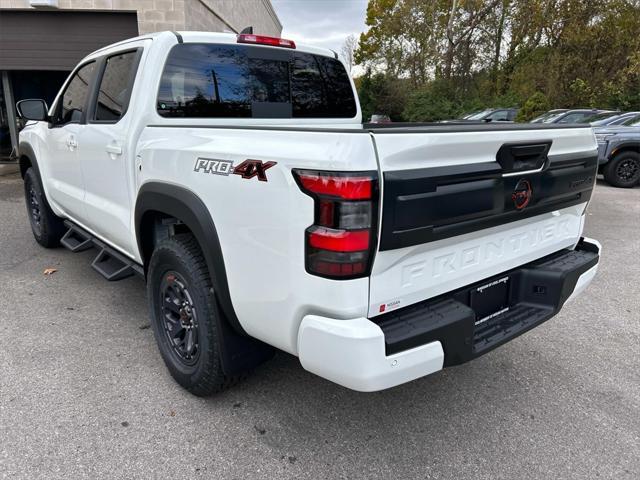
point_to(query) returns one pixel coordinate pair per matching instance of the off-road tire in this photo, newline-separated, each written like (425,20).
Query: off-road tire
(46,226)
(179,259)
(623,170)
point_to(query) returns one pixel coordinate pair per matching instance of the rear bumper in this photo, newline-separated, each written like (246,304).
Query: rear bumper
(423,338)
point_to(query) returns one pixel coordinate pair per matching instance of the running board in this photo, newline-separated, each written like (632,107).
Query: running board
(76,240)
(109,263)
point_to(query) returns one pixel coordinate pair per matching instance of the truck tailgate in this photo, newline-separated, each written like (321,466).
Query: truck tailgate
(464,203)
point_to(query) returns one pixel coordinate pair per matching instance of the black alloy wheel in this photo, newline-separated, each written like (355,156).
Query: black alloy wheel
(623,170)
(628,170)
(33,205)
(180,318)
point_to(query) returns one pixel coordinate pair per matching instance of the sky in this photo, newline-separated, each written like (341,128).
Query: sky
(323,23)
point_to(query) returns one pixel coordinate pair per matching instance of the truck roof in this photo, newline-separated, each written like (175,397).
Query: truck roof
(213,37)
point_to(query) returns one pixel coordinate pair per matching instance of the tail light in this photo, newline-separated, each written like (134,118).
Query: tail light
(342,240)
(262,40)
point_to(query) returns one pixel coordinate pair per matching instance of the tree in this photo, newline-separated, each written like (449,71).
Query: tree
(535,105)
(502,52)
(429,105)
(380,94)
(348,50)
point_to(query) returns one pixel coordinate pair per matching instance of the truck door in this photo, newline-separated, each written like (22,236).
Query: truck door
(104,152)
(64,176)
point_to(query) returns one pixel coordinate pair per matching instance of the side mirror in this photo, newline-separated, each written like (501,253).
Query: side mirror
(488,120)
(32,109)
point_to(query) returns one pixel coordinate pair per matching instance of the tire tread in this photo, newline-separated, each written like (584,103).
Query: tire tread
(189,254)
(609,169)
(52,226)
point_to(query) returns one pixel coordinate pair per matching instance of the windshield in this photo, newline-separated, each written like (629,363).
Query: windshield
(614,120)
(600,117)
(547,116)
(478,115)
(632,121)
(552,117)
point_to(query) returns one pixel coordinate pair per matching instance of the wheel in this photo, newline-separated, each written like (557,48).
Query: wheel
(183,315)
(47,228)
(623,170)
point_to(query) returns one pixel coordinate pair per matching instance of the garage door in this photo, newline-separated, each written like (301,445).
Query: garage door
(46,40)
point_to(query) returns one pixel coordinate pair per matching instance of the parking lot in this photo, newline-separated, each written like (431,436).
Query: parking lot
(84,392)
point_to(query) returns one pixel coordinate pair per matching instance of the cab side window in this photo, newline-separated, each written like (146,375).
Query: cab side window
(74,99)
(115,87)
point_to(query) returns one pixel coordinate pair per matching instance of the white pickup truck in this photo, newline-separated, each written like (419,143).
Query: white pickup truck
(234,174)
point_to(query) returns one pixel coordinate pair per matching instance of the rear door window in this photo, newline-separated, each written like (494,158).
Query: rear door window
(115,87)
(221,81)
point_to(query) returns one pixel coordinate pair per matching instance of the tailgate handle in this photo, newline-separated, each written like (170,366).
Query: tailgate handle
(519,158)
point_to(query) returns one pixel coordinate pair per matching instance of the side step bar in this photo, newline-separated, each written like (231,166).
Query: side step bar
(75,240)
(109,263)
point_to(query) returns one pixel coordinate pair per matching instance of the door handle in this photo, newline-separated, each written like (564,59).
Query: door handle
(72,143)
(114,149)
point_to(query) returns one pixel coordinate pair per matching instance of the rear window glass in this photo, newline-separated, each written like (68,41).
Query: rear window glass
(206,80)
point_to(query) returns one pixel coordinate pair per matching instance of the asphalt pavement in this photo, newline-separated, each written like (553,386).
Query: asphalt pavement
(85,394)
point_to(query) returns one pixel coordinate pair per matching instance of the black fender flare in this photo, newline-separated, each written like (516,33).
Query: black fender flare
(26,150)
(624,145)
(240,352)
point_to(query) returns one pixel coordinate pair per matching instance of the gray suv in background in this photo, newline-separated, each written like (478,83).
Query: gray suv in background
(619,153)
(626,118)
(492,115)
(563,115)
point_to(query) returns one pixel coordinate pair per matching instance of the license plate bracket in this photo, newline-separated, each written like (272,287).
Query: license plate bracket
(491,299)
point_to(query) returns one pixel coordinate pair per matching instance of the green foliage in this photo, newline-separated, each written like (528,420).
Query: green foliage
(427,106)
(380,94)
(458,55)
(536,105)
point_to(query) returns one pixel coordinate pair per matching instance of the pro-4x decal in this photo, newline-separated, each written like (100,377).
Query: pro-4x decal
(247,169)
(210,165)
(253,168)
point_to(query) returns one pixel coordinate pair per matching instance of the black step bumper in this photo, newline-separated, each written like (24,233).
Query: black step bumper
(534,293)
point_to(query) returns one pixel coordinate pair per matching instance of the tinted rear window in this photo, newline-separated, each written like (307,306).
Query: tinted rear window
(206,80)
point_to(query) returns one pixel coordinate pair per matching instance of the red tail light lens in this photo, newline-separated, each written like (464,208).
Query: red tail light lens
(348,188)
(341,242)
(338,240)
(262,40)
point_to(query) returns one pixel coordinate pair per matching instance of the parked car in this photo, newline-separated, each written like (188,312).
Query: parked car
(549,115)
(491,115)
(600,117)
(619,153)
(619,119)
(567,116)
(378,118)
(376,254)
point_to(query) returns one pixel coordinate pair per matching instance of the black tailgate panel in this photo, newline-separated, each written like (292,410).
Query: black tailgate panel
(428,204)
